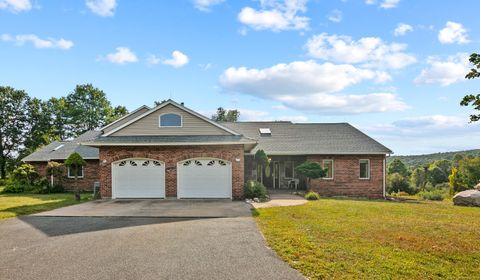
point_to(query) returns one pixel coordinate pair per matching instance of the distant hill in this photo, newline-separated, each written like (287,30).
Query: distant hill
(419,160)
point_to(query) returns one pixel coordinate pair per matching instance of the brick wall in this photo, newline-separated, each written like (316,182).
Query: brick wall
(346,178)
(170,156)
(90,175)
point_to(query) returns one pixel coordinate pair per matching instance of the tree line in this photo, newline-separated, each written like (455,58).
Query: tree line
(28,123)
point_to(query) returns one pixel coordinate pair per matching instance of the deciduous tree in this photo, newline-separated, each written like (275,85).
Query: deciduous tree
(473,99)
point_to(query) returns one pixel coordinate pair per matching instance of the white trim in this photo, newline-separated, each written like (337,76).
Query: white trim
(167,126)
(333,168)
(170,102)
(122,118)
(93,144)
(317,153)
(360,172)
(73,177)
(384,177)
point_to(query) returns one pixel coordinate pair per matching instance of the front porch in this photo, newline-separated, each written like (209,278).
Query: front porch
(280,174)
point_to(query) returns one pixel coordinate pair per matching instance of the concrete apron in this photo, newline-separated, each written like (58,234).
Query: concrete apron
(159,208)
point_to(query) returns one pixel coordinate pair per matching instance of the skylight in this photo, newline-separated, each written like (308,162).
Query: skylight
(265,131)
(58,147)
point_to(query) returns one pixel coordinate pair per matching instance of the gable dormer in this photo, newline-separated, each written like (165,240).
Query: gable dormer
(170,118)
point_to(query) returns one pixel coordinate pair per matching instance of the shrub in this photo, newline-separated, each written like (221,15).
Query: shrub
(255,189)
(438,195)
(25,174)
(14,187)
(398,183)
(312,196)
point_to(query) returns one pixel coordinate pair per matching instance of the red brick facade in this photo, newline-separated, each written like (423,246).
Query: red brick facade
(171,156)
(90,175)
(346,177)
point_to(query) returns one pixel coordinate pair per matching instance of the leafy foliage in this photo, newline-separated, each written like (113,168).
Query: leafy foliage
(75,161)
(397,166)
(223,115)
(312,196)
(311,170)
(255,189)
(415,161)
(25,174)
(398,183)
(471,99)
(437,195)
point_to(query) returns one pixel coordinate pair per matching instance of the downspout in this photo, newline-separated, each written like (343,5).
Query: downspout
(385,175)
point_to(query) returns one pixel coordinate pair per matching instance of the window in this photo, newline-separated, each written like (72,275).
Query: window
(288,169)
(170,120)
(328,165)
(71,172)
(364,169)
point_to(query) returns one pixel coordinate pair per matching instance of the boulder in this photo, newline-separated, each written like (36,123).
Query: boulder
(467,198)
(477,187)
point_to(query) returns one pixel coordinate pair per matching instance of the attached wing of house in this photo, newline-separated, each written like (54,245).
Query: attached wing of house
(172,151)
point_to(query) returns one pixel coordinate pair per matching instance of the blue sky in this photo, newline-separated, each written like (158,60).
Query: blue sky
(393,68)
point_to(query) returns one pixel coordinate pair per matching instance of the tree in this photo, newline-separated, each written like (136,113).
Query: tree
(418,179)
(117,113)
(14,121)
(88,108)
(471,99)
(59,118)
(454,182)
(223,115)
(397,183)
(469,172)
(56,171)
(397,166)
(311,170)
(435,175)
(76,162)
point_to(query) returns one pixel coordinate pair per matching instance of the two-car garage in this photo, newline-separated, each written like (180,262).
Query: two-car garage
(196,178)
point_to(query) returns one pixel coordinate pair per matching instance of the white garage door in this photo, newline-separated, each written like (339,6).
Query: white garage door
(204,178)
(138,178)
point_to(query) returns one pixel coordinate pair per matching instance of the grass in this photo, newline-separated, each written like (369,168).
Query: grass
(13,205)
(359,239)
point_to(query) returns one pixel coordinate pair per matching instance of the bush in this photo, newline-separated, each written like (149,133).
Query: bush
(312,196)
(14,188)
(437,195)
(25,174)
(255,189)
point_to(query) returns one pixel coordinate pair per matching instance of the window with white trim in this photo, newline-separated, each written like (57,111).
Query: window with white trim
(170,120)
(364,169)
(328,165)
(71,172)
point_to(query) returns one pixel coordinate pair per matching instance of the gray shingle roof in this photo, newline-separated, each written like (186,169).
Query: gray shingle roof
(180,139)
(49,152)
(309,138)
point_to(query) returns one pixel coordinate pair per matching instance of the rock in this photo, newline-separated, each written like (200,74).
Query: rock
(467,198)
(256,199)
(248,200)
(477,187)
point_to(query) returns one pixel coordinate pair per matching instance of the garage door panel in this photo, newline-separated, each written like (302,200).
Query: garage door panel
(204,178)
(138,178)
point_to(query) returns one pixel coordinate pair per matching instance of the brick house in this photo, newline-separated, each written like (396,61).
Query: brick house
(172,151)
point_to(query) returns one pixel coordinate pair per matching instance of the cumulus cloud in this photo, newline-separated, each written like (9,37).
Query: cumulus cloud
(370,51)
(444,72)
(335,16)
(402,29)
(254,115)
(104,8)
(37,42)
(178,59)
(307,85)
(453,33)
(15,6)
(122,55)
(385,4)
(276,15)
(205,5)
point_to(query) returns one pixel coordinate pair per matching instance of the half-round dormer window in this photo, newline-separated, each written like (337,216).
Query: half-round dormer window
(170,120)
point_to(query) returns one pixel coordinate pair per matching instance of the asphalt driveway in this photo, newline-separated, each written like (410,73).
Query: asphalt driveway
(141,247)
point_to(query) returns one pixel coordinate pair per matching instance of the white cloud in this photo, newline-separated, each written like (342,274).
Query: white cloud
(49,43)
(445,72)
(178,59)
(16,6)
(335,16)
(205,5)
(402,29)
(276,15)
(389,4)
(452,33)
(254,115)
(153,60)
(385,4)
(370,51)
(104,8)
(307,85)
(122,55)
(205,67)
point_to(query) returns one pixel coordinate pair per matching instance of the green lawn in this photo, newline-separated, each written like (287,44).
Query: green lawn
(12,205)
(358,239)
